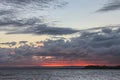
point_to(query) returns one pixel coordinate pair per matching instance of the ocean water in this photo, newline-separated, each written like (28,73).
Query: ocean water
(59,74)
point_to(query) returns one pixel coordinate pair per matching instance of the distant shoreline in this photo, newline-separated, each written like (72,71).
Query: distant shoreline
(64,67)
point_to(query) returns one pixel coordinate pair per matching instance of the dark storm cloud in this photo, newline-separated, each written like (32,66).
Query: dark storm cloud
(110,6)
(93,45)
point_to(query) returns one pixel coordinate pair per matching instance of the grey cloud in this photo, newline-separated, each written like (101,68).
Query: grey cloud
(18,7)
(89,45)
(110,6)
(106,30)
(95,45)
(44,29)
(32,26)
(13,17)
(54,30)
(23,42)
(9,43)
(15,56)
(105,40)
(18,3)
(6,12)
(24,7)
(7,21)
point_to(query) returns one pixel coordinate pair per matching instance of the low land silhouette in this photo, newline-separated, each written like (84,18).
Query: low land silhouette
(64,67)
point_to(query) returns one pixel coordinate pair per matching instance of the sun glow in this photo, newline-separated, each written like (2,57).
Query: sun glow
(63,63)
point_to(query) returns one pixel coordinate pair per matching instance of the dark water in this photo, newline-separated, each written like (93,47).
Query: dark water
(59,74)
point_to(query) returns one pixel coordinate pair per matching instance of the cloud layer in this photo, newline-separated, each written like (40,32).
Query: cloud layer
(110,6)
(44,29)
(97,46)
(26,17)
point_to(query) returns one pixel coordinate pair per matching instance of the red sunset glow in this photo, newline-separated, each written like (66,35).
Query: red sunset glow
(59,64)
(67,63)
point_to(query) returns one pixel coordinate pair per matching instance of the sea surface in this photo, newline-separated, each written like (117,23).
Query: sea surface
(59,74)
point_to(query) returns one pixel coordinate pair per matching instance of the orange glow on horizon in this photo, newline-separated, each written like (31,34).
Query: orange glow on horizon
(60,63)
(64,63)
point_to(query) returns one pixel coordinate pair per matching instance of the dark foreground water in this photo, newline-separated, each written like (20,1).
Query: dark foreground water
(59,74)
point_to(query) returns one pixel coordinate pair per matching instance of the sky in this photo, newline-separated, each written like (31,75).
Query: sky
(59,32)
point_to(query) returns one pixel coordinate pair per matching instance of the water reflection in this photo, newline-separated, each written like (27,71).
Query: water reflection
(59,74)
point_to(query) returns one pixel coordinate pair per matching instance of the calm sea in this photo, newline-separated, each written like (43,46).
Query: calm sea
(59,74)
